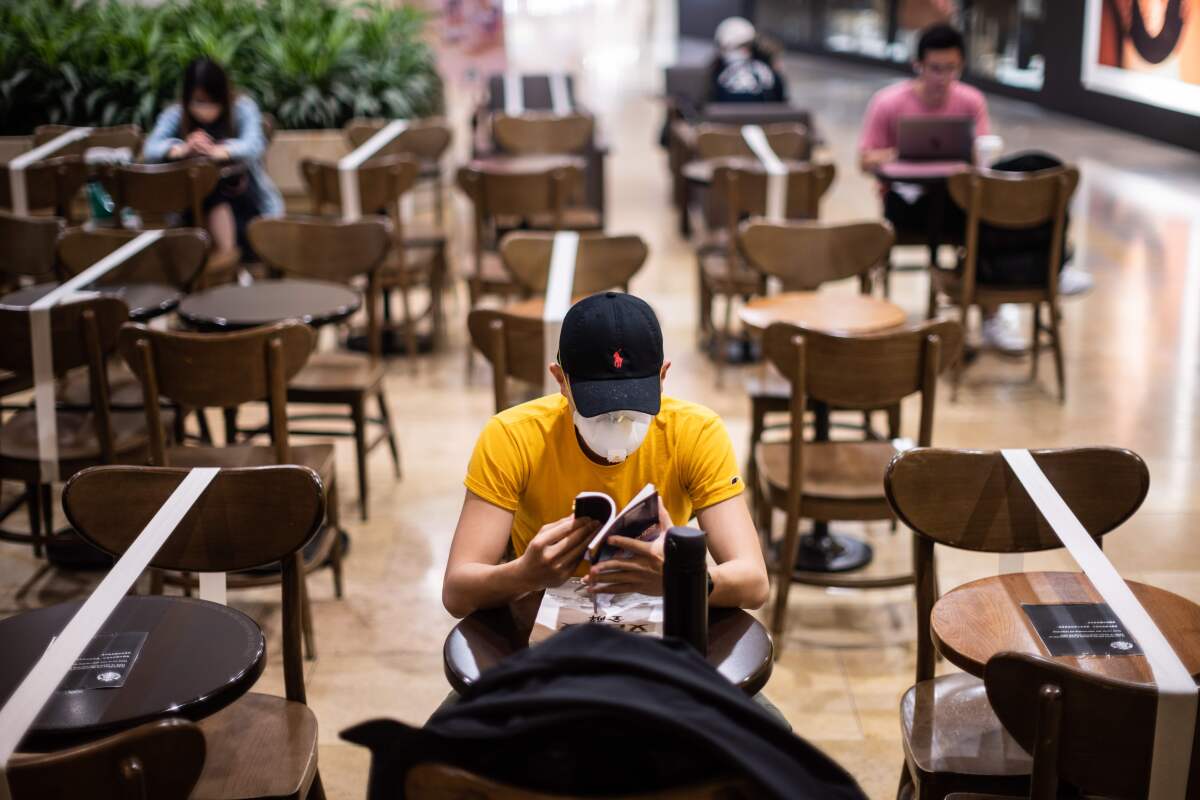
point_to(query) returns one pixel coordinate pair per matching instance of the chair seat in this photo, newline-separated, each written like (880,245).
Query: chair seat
(492,271)
(337,372)
(576,218)
(317,457)
(832,470)
(77,439)
(12,382)
(715,273)
(948,727)
(260,746)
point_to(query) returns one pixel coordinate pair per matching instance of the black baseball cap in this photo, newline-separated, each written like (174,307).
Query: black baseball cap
(611,349)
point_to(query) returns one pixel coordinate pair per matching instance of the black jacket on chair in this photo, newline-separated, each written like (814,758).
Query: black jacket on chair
(599,711)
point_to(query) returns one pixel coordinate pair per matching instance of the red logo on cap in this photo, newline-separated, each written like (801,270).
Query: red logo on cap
(618,359)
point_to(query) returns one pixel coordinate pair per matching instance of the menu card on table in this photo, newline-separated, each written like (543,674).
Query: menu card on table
(570,604)
(105,662)
(1081,629)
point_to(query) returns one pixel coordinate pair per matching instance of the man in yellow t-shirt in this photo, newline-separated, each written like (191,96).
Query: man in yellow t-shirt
(609,430)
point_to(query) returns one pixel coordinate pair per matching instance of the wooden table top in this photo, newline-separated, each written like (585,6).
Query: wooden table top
(145,300)
(979,619)
(525,164)
(232,306)
(198,657)
(823,311)
(738,645)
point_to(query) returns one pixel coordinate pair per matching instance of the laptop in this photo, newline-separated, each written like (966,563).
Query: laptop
(935,138)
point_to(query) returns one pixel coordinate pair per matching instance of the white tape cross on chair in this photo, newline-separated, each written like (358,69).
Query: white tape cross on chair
(777,171)
(19,713)
(514,94)
(348,167)
(560,99)
(1175,721)
(16,168)
(560,286)
(43,356)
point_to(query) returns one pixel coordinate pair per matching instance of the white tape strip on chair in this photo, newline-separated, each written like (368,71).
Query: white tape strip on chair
(560,285)
(777,172)
(348,166)
(16,168)
(43,356)
(560,98)
(1175,722)
(19,713)
(514,94)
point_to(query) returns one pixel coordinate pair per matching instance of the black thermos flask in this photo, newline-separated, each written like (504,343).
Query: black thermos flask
(685,587)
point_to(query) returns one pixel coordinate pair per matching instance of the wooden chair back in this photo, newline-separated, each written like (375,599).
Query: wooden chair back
(27,247)
(540,132)
(514,346)
(155,191)
(114,136)
(269,126)
(741,191)
(434,781)
(246,518)
(970,500)
(382,181)
(328,250)
(204,370)
(536,90)
(804,255)
(161,760)
(1013,200)
(423,139)
(50,185)
(789,140)
(1090,731)
(176,259)
(602,261)
(497,192)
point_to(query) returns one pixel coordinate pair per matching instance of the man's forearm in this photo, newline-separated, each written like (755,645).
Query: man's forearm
(737,584)
(473,586)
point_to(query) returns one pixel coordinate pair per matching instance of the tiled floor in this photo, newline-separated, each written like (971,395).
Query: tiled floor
(1133,362)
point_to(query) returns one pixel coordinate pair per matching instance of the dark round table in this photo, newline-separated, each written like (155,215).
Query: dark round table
(738,644)
(198,657)
(233,307)
(145,300)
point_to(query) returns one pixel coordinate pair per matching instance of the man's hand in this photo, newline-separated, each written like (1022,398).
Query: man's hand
(640,568)
(554,552)
(870,160)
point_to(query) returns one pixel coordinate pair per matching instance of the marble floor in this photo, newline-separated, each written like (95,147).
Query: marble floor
(1132,360)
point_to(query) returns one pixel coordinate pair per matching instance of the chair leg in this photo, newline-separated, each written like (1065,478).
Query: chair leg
(1058,354)
(723,338)
(358,415)
(333,520)
(905,783)
(156,582)
(230,415)
(202,424)
(783,571)
(47,499)
(306,621)
(1035,343)
(931,299)
(33,502)
(410,328)
(386,416)
(317,790)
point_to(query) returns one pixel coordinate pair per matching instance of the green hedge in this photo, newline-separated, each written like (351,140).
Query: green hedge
(311,63)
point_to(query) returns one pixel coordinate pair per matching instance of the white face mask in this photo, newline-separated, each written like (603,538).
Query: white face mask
(615,435)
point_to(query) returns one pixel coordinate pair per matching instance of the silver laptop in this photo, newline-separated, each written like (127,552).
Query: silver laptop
(935,138)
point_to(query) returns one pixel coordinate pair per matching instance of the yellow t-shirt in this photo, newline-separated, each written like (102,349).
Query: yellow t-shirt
(528,461)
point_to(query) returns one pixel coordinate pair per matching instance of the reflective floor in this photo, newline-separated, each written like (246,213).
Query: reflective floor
(1132,355)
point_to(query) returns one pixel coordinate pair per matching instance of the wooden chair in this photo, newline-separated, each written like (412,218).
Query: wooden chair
(602,261)
(195,370)
(51,186)
(82,335)
(496,193)
(1010,200)
(27,249)
(162,194)
(1093,733)
(411,263)
(161,759)
(339,252)
(738,193)
(789,140)
(260,746)
(968,499)
(513,345)
(176,259)
(114,136)
(827,481)
(803,255)
(433,781)
(426,140)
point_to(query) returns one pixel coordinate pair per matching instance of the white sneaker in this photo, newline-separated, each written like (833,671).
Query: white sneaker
(1000,333)
(1074,281)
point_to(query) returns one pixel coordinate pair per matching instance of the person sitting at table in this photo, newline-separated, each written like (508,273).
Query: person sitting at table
(610,428)
(214,121)
(743,70)
(935,91)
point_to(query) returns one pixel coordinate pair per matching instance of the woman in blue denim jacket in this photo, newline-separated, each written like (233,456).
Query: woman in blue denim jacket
(212,121)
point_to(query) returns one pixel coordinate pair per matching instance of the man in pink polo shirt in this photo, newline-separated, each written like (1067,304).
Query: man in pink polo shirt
(935,92)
